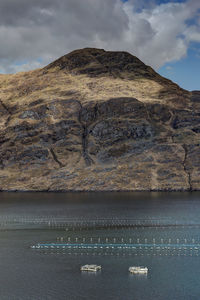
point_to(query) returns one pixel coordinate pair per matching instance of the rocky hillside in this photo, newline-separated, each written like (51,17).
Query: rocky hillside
(97,120)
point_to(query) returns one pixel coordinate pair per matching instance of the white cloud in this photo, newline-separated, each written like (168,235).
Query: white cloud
(168,35)
(46,29)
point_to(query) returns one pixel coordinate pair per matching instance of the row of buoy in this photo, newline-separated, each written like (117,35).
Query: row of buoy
(126,240)
(157,247)
(120,253)
(98,221)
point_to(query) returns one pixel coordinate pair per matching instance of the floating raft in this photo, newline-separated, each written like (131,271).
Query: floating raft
(138,270)
(91,268)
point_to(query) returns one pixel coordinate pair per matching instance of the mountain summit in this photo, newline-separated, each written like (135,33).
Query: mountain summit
(98,62)
(97,120)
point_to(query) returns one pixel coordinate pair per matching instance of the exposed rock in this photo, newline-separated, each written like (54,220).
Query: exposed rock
(98,120)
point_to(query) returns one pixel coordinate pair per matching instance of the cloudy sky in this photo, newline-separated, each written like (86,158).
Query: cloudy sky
(163,33)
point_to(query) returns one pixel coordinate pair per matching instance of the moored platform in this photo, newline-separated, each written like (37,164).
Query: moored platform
(138,270)
(90,268)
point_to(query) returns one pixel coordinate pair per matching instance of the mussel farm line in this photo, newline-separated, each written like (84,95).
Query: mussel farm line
(85,224)
(121,249)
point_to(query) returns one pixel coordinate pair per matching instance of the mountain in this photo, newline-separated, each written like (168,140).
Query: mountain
(97,120)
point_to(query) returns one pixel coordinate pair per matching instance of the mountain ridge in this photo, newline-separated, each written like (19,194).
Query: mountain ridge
(97,120)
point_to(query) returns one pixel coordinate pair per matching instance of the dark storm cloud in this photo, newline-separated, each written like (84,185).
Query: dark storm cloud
(32,33)
(45,29)
(15,12)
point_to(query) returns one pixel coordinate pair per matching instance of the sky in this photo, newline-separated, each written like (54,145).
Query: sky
(164,34)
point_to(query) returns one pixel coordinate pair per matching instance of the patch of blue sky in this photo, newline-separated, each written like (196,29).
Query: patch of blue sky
(25,62)
(21,62)
(171,1)
(186,71)
(160,1)
(193,21)
(142,4)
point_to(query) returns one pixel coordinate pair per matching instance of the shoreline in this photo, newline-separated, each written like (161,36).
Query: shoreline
(100,191)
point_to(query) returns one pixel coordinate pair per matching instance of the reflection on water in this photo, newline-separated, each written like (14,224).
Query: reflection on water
(115,230)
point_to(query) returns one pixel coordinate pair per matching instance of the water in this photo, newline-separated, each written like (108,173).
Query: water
(116,230)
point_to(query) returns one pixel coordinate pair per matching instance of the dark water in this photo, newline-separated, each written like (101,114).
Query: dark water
(168,221)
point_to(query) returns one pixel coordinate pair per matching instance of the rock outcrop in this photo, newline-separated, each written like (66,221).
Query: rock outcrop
(97,120)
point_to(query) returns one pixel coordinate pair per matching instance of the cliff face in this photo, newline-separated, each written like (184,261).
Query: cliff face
(97,120)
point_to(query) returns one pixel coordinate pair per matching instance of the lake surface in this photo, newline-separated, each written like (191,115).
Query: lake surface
(157,230)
